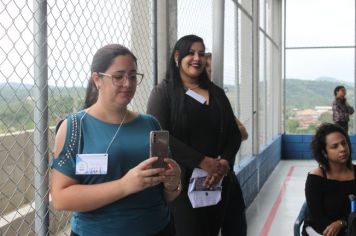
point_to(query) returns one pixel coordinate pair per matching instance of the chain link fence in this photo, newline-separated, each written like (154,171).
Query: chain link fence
(74,31)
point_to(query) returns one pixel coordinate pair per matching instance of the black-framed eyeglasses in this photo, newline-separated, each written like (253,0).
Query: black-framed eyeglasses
(118,79)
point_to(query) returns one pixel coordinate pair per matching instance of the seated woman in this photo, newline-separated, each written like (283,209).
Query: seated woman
(328,186)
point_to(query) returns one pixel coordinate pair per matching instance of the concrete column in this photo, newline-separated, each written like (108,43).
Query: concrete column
(166,34)
(142,46)
(162,39)
(172,25)
(255,75)
(218,43)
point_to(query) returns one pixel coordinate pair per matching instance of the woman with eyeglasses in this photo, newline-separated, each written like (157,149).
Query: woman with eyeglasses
(101,168)
(204,136)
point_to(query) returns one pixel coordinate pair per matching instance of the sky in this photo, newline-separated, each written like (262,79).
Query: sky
(309,23)
(313,23)
(75,30)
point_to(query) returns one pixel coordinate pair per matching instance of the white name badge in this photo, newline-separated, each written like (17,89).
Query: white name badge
(196,96)
(91,164)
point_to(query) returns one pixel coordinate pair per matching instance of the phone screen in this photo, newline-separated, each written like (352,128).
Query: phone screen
(159,147)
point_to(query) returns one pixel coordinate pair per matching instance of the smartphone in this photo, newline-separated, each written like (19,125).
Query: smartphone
(159,147)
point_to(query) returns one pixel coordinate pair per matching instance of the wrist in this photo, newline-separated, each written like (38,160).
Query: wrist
(125,186)
(202,163)
(343,223)
(226,166)
(176,189)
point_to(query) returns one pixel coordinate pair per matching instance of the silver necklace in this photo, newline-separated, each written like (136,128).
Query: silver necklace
(113,138)
(117,131)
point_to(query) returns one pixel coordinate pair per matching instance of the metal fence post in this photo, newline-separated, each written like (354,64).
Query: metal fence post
(41,118)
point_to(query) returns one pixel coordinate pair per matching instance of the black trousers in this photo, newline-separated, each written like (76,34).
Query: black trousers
(234,223)
(203,221)
(344,124)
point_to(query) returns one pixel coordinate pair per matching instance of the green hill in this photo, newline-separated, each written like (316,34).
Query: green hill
(17,105)
(304,94)
(16,100)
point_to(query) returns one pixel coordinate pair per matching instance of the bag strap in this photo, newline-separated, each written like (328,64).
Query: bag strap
(58,125)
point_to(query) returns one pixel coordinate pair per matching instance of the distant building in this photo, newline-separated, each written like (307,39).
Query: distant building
(308,117)
(323,109)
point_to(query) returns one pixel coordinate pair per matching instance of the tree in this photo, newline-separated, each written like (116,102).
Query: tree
(292,126)
(325,117)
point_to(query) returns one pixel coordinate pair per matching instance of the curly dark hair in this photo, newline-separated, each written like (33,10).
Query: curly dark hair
(318,144)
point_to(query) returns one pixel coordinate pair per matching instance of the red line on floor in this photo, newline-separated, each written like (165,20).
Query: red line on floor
(273,212)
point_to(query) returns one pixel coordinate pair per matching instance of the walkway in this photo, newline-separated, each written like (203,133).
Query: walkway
(276,207)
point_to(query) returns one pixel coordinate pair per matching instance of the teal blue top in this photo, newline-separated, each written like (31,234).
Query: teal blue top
(142,213)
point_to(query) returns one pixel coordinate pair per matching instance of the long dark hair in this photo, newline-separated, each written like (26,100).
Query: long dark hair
(102,60)
(318,143)
(175,84)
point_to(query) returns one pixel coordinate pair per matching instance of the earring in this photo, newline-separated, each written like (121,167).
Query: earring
(177,63)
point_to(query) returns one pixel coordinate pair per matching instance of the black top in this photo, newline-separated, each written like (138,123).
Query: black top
(327,200)
(210,130)
(202,130)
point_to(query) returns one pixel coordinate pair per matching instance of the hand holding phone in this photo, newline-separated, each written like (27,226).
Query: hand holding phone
(159,147)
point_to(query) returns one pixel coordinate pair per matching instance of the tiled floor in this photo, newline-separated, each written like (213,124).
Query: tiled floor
(276,207)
